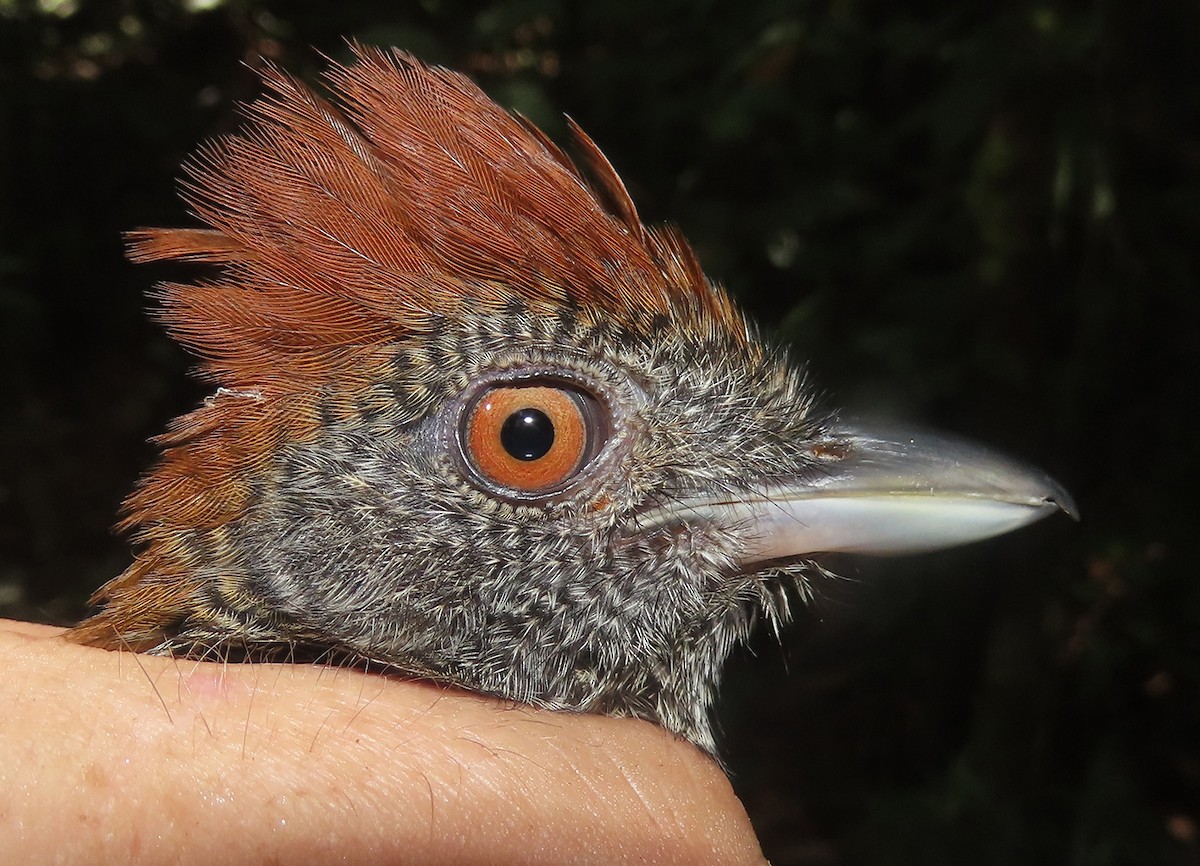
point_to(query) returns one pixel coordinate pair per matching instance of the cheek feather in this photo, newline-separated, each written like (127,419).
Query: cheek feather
(475,422)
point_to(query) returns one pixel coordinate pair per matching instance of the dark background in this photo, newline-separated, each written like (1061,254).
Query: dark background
(979,216)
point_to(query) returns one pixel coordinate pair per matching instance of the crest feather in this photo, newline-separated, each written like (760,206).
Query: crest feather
(353,225)
(338,231)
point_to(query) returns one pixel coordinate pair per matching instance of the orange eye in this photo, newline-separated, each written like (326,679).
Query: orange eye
(529,438)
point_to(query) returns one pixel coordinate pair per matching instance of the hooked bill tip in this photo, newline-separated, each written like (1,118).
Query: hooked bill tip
(882,493)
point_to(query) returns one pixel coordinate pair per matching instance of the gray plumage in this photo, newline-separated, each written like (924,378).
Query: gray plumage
(392,273)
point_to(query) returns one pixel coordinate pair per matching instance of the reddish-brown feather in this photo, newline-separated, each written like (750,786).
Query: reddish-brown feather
(339,231)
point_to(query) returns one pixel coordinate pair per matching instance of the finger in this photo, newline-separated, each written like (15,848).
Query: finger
(182,761)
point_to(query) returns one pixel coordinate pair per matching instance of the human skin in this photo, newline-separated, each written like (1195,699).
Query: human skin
(111,757)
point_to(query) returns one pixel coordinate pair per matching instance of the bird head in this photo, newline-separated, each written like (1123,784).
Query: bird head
(474,421)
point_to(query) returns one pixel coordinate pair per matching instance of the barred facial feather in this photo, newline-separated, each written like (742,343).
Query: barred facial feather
(388,264)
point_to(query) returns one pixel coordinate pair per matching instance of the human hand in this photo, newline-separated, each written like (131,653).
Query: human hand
(119,758)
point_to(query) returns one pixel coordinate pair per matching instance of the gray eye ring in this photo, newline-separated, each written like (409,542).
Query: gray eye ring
(573,431)
(606,417)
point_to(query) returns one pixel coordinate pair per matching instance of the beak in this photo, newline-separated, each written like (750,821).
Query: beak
(878,493)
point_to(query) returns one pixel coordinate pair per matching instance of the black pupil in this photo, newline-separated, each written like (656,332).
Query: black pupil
(527,434)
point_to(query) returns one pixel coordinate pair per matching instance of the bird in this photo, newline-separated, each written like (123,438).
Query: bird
(472,421)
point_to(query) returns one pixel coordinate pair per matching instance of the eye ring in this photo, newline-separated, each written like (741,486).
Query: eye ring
(531,438)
